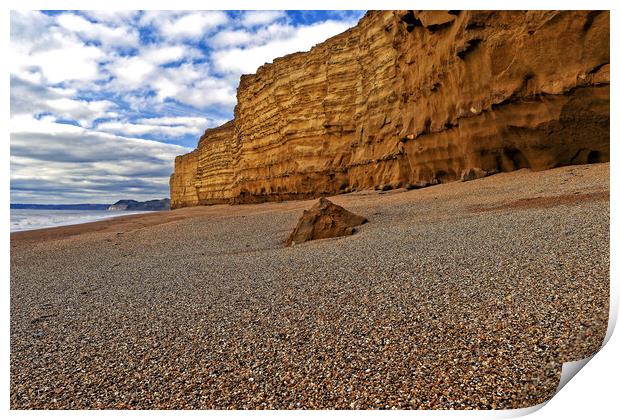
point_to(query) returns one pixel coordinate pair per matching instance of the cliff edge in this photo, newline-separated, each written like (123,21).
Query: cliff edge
(409,97)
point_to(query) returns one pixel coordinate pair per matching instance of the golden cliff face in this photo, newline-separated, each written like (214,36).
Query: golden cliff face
(405,97)
(215,168)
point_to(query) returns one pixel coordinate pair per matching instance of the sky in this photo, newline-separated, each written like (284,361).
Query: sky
(103,101)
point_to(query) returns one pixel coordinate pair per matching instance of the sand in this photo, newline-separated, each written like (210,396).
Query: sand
(463,295)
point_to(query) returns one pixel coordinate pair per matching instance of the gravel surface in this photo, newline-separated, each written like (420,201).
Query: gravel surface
(463,295)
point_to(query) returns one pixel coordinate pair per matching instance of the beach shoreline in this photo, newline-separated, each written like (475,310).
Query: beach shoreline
(24,219)
(56,232)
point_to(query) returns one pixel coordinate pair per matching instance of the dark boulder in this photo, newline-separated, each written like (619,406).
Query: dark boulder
(324,220)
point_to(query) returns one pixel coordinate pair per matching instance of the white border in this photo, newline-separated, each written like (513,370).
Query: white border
(592,394)
(309,5)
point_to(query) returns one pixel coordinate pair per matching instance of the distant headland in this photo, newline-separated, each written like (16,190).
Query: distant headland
(129,205)
(133,205)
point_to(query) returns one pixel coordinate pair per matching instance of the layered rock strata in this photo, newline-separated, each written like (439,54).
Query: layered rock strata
(411,98)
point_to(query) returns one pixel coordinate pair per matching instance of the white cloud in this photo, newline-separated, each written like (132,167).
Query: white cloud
(63,91)
(169,82)
(166,88)
(25,123)
(131,72)
(31,99)
(189,83)
(65,61)
(209,91)
(191,25)
(258,36)
(27,26)
(50,54)
(112,17)
(165,126)
(261,17)
(142,129)
(230,38)
(144,70)
(247,60)
(108,36)
(111,146)
(71,164)
(79,110)
(187,121)
(167,54)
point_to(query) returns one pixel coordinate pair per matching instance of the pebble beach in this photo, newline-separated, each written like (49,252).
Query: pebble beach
(465,295)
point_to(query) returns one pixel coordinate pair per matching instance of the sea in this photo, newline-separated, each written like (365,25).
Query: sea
(28,219)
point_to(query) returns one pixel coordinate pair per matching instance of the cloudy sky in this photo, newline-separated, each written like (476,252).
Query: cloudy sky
(102,102)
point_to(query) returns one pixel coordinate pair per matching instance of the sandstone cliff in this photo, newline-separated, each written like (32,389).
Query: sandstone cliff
(408,97)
